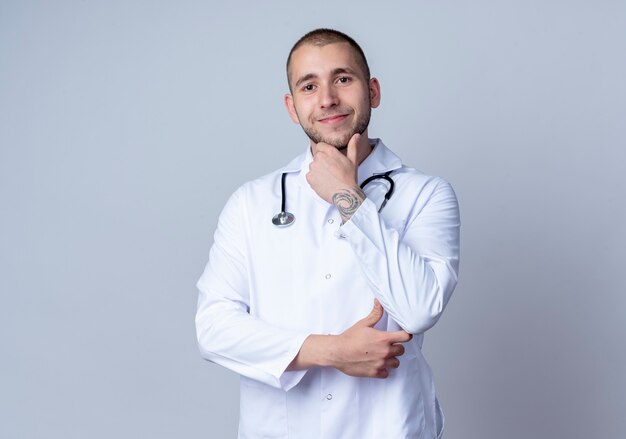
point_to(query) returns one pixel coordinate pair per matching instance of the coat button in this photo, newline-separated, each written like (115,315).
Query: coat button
(330,221)
(327,276)
(329,396)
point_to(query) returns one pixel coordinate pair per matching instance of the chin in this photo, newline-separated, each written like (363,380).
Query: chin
(340,143)
(338,140)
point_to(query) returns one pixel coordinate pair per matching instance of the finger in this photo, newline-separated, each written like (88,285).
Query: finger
(392,363)
(352,148)
(324,158)
(382,373)
(317,156)
(396,350)
(322,147)
(374,315)
(399,336)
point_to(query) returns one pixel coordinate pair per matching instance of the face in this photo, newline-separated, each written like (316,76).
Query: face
(331,98)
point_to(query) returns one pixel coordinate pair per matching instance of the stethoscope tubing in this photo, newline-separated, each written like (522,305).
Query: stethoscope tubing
(284,218)
(282,190)
(389,192)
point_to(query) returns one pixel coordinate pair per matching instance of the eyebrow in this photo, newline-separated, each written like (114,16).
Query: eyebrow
(335,72)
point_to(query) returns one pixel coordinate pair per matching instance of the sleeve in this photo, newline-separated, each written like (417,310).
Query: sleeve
(227,334)
(413,272)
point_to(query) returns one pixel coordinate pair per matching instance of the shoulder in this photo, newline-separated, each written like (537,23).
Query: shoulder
(418,182)
(411,177)
(419,194)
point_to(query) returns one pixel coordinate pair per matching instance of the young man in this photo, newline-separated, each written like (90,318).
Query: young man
(322,307)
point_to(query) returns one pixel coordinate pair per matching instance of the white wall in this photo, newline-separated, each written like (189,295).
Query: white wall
(125,125)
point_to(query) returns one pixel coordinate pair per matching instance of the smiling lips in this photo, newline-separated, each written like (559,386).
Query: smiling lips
(333,119)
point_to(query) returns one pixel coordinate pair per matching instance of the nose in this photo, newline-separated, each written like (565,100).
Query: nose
(328,97)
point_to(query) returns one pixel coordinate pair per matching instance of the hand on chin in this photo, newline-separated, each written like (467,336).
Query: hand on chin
(333,170)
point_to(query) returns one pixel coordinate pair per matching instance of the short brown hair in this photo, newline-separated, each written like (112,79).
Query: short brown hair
(322,37)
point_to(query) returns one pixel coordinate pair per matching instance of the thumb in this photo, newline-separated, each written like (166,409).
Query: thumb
(352,148)
(374,316)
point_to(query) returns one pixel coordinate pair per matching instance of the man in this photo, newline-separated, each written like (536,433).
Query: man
(323,317)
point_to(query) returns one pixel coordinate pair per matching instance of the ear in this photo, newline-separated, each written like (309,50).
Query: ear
(291,109)
(374,93)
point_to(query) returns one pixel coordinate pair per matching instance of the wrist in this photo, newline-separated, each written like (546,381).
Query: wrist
(328,351)
(324,350)
(348,200)
(316,351)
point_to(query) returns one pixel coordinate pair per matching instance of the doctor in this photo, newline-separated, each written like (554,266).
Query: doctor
(324,316)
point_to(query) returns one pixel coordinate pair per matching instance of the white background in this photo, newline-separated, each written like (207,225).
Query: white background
(125,125)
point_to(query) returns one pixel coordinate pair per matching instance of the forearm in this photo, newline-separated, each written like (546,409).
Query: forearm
(229,336)
(359,351)
(412,270)
(316,351)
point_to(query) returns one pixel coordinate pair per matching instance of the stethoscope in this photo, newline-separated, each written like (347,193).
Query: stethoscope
(284,218)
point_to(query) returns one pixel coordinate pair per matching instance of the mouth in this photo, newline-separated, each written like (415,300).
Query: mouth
(334,119)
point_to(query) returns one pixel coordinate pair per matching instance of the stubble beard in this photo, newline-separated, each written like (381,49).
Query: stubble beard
(340,142)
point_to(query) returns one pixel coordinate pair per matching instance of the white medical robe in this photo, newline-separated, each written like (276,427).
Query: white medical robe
(265,289)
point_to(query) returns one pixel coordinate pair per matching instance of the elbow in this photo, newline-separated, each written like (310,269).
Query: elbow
(204,345)
(211,320)
(209,346)
(428,311)
(426,300)
(204,352)
(422,321)
(424,314)
(205,336)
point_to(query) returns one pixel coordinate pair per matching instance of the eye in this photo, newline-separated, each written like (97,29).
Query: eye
(344,79)
(308,87)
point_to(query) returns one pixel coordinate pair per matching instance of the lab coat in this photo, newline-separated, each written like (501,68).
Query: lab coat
(265,289)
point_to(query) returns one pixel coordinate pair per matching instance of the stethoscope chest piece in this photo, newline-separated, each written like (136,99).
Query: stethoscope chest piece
(283,219)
